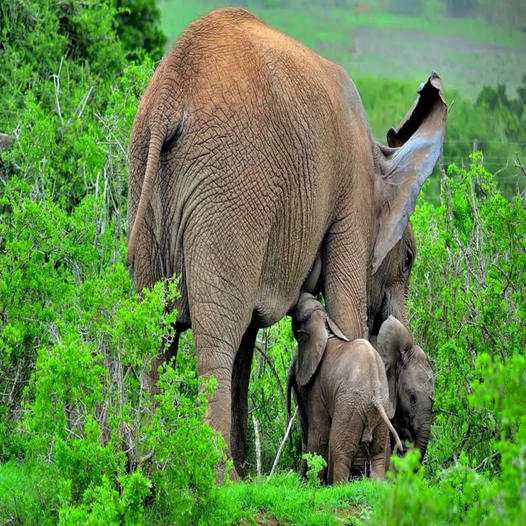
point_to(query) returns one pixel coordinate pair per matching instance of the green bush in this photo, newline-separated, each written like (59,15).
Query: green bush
(315,464)
(464,494)
(86,413)
(138,29)
(467,299)
(75,337)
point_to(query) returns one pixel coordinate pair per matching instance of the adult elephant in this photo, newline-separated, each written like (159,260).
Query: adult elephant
(249,155)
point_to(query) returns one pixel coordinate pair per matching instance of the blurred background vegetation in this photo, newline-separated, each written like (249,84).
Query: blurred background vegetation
(78,442)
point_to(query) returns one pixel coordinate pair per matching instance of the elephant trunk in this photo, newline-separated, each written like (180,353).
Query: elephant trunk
(422,439)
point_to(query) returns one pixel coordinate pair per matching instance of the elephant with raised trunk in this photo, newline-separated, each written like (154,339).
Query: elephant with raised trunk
(341,392)
(249,155)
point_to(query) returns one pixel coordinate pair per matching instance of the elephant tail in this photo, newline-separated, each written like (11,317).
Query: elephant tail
(160,134)
(383,414)
(157,136)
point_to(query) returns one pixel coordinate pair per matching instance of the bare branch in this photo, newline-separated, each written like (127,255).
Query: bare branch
(258,445)
(282,445)
(518,164)
(56,82)
(117,142)
(82,105)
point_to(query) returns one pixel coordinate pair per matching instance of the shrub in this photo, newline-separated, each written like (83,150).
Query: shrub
(466,300)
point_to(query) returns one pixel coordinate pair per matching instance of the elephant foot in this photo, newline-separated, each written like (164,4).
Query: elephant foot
(226,472)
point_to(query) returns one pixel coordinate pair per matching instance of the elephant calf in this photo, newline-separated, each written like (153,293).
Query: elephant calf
(411,383)
(411,386)
(341,392)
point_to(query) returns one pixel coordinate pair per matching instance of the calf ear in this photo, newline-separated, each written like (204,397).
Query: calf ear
(414,147)
(312,340)
(393,340)
(336,330)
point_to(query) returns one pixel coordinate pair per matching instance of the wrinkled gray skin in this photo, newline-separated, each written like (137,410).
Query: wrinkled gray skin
(388,287)
(249,155)
(341,392)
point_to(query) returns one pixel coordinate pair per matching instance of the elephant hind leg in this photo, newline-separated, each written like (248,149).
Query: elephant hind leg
(344,442)
(218,329)
(222,284)
(239,399)
(151,376)
(378,451)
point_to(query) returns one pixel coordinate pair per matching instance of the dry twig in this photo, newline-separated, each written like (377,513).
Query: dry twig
(282,445)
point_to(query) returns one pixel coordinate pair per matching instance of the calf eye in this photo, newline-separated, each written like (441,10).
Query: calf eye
(412,399)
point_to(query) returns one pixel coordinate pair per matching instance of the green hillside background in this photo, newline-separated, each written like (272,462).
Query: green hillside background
(390,48)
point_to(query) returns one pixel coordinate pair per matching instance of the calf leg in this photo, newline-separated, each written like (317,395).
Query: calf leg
(344,441)
(317,440)
(378,451)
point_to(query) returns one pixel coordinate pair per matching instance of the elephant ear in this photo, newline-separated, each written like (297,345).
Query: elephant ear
(393,342)
(336,330)
(312,340)
(389,409)
(414,147)
(384,393)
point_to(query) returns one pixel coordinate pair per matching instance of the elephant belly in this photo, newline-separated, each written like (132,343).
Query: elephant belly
(282,279)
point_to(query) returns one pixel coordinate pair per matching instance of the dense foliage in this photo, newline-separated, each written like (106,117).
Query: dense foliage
(74,336)
(79,441)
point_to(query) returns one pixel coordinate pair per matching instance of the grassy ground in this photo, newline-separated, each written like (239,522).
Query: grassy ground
(286,500)
(30,494)
(466,52)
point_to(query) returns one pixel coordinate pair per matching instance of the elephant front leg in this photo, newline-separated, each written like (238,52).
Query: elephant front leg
(346,260)
(239,407)
(218,333)
(317,442)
